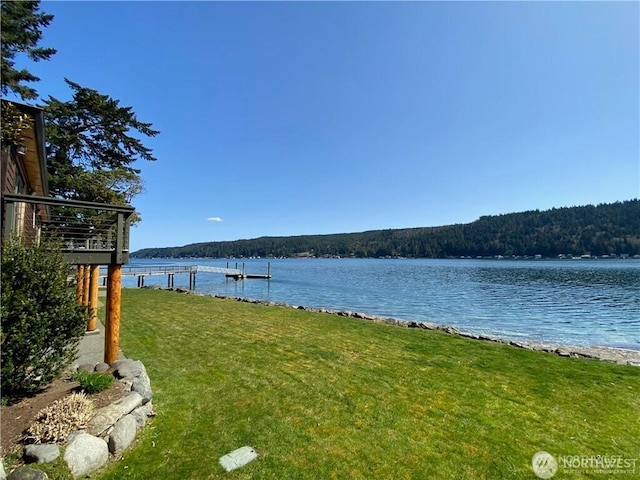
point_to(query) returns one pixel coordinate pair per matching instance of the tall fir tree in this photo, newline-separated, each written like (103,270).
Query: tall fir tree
(22,23)
(92,145)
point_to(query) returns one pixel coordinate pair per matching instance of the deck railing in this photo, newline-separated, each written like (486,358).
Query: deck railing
(88,232)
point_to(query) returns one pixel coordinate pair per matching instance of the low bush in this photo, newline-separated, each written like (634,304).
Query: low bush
(41,321)
(93,382)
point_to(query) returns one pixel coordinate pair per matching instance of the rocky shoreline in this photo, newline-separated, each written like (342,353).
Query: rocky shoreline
(620,356)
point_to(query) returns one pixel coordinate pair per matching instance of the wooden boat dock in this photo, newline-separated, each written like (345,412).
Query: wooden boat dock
(242,274)
(192,270)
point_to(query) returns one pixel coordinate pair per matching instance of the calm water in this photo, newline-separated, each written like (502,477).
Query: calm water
(579,302)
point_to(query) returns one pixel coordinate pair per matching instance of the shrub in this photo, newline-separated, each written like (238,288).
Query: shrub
(93,382)
(41,321)
(54,423)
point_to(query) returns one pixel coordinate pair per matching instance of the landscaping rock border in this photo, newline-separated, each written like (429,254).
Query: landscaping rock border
(111,430)
(620,356)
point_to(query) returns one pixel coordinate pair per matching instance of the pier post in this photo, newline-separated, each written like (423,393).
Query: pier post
(92,323)
(87,284)
(112,327)
(80,284)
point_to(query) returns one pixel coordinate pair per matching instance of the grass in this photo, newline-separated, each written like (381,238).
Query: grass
(93,382)
(321,396)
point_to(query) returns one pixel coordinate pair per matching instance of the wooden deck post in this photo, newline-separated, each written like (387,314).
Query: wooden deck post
(87,283)
(92,323)
(80,284)
(112,327)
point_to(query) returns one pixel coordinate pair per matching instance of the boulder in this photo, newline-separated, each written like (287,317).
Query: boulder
(428,325)
(109,415)
(123,434)
(102,367)
(86,454)
(73,435)
(27,473)
(44,453)
(86,367)
(142,385)
(142,413)
(471,335)
(128,368)
(449,329)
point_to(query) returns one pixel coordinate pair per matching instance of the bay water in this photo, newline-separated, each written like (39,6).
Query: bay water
(572,302)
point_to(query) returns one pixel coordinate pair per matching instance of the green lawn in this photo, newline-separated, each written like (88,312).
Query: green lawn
(322,397)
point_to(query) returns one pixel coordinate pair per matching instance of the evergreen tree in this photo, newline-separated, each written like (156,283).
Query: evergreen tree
(21,32)
(613,228)
(92,145)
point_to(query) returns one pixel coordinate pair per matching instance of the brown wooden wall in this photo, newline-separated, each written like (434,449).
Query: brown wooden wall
(23,219)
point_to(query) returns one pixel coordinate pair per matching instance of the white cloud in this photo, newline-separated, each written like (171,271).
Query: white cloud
(214,219)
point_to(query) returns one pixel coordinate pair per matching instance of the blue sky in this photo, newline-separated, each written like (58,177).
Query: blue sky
(282,118)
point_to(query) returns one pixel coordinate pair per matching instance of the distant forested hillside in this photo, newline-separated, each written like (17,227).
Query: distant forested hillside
(595,230)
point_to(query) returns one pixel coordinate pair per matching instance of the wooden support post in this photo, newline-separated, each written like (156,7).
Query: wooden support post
(80,284)
(92,323)
(87,284)
(112,327)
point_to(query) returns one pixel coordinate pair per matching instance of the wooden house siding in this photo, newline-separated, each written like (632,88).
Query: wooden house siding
(23,171)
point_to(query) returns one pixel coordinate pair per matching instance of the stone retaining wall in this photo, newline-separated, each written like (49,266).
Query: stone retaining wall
(111,430)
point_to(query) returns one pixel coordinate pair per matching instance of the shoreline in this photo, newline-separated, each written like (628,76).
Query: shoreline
(621,356)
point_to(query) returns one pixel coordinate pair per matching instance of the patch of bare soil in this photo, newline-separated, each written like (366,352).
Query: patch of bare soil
(17,417)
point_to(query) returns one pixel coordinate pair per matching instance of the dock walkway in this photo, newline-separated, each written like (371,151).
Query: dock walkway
(172,270)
